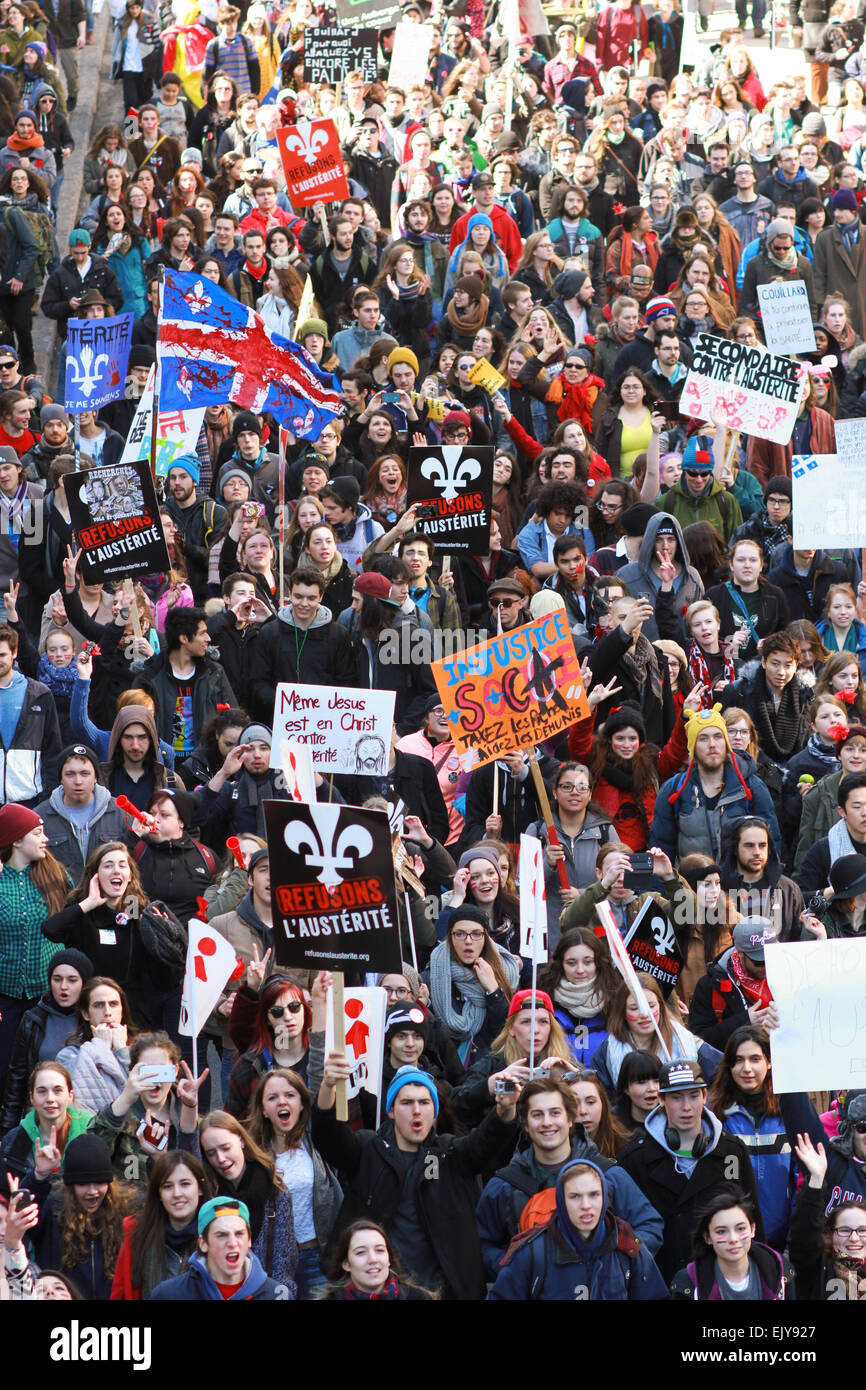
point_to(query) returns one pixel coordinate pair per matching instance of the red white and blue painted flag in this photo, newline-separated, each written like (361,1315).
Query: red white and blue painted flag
(214,349)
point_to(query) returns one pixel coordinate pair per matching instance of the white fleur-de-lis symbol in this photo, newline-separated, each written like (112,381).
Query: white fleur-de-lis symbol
(197,300)
(86,376)
(333,862)
(184,383)
(455,473)
(664,935)
(306,144)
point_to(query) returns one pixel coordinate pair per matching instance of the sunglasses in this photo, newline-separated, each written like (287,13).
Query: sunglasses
(860,1126)
(277,1010)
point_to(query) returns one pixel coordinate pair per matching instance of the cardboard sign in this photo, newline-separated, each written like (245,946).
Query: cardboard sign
(485,375)
(786,317)
(115,516)
(312,163)
(381,14)
(330,53)
(410,55)
(757,391)
(850,441)
(210,962)
(818,988)
(651,943)
(513,691)
(97,356)
(620,956)
(829,501)
(452,487)
(346,731)
(533,899)
(363,1036)
(176,433)
(332,887)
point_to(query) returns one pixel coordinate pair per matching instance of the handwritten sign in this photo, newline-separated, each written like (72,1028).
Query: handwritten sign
(312,163)
(380,13)
(786,316)
(330,53)
(452,489)
(819,988)
(829,501)
(410,55)
(176,433)
(513,691)
(346,731)
(757,391)
(485,375)
(332,887)
(850,441)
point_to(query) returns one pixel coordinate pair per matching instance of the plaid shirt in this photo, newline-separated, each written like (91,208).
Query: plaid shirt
(24,952)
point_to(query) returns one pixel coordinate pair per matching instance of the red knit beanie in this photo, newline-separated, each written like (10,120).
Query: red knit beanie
(16,822)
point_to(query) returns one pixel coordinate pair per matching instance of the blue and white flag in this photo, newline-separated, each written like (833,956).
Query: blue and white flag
(97,353)
(214,349)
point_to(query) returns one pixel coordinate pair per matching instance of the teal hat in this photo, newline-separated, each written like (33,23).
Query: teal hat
(221,1206)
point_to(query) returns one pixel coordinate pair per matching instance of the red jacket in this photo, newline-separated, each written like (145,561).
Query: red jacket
(505,229)
(122,1287)
(615,32)
(599,469)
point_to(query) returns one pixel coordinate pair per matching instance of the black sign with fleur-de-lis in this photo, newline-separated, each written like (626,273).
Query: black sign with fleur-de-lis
(451,489)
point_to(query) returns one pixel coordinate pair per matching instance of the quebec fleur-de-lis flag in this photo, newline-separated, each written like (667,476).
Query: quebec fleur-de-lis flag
(214,349)
(451,489)
(97,353)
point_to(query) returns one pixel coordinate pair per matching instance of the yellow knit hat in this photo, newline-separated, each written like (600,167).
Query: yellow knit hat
(698,720)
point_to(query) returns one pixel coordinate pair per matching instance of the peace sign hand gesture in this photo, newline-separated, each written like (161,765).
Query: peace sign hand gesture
(257,969)
(188,1086)
(47,1156)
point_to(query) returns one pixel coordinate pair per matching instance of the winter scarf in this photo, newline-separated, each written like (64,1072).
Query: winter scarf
(778,736)
(12,512)
(700,671)
(651,251)
(621,776)
(578,401)
(473,317)
(839,841)
(59,679)
(822,753)
(639,664)
(389,1292)
(758,990)
(683,1045)
(464,1023)
(580,1001)
(24,142)
(786,262)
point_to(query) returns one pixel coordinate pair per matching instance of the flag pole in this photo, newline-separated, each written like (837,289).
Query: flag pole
(157,376)
(281,503)
(410,929)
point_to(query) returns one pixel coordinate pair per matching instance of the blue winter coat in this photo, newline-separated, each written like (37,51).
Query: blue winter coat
(773,1165)
(859,649)
(129,272)
(685,826)
(197,1286)
(508,1191)
(554,1264)
(584,1044)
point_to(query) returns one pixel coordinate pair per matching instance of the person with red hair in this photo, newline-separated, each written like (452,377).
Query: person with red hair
(277,1027)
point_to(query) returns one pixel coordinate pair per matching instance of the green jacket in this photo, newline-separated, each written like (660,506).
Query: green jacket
(719,507)
(820,813)
(581,912)
(79,1121)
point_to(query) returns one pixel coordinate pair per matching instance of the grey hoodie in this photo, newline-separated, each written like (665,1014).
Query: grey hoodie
(656,1123)
(643,582)
(71,843)
(354,342)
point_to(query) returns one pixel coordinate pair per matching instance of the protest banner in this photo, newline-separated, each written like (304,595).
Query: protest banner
(410,55)
(757,391)
(652,946)
(115,516)
(513,691)
(533,900)
(177,432)
(312,163)
(297,765)
(829,501)
(786,317)
(332,887)
(363,1037)
(97,353)
(346,731)
(485,375)
(210,964)
(452,489)
(329,53)
(850,441)
(819,989)
(381,14)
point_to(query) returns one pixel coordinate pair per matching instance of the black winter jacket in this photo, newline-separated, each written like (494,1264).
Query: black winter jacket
(25,1055)
(210,687)
(65,283)
(320,656)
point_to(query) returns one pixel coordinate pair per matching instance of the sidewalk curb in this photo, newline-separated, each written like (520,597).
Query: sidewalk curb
(81,123)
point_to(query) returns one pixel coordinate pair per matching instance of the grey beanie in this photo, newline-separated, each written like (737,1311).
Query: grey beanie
(853,1109)
(260,732)
(780,226)
(53,412)
(480,852)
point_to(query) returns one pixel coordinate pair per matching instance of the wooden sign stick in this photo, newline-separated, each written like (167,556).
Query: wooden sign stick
(546,812)
(339,1039)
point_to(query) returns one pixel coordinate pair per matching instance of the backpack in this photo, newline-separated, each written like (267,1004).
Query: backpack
(164,938)
(539,1209)
(40,225)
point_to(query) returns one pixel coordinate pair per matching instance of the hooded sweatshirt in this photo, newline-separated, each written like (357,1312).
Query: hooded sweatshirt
(114,773)
(196,1285)
(657,1124)
(353,342)
(643,582)
(70,836)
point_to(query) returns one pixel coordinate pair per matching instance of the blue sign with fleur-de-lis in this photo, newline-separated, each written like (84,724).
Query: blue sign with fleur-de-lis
(97,354)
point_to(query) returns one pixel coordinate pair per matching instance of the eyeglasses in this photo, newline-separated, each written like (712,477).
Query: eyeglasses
(850,1232)
(860,1126)
(7,366)
(576,367)
(277,1010)
(609,506)
(573,787)
(509,603)
(582,1074)
(401,992)
(461,436)
(467,936)
(699,472)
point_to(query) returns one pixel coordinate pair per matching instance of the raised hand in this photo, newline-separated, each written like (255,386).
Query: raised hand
(188,1086)
(257,969)
(47,1156)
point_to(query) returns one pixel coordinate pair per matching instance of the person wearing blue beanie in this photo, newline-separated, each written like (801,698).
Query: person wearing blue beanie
(411,1076)
(191,464)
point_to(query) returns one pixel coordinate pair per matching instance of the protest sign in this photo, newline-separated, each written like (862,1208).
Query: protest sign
(312,163)
(819,989)
(115,516)
(829,501)
(652,946)
(363,1036)
(176,433)
(452,488)
(513,691)
(757,391)
(297,764)
(485,375)
(346,731)
(786,316)
(619,955)
(332,887)
(210,963)
(329,53)
(533,900)
(410,55)
(850,441)
(381,14)
(97,353)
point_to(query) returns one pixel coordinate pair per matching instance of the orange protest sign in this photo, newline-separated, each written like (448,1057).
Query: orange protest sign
(513,691)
